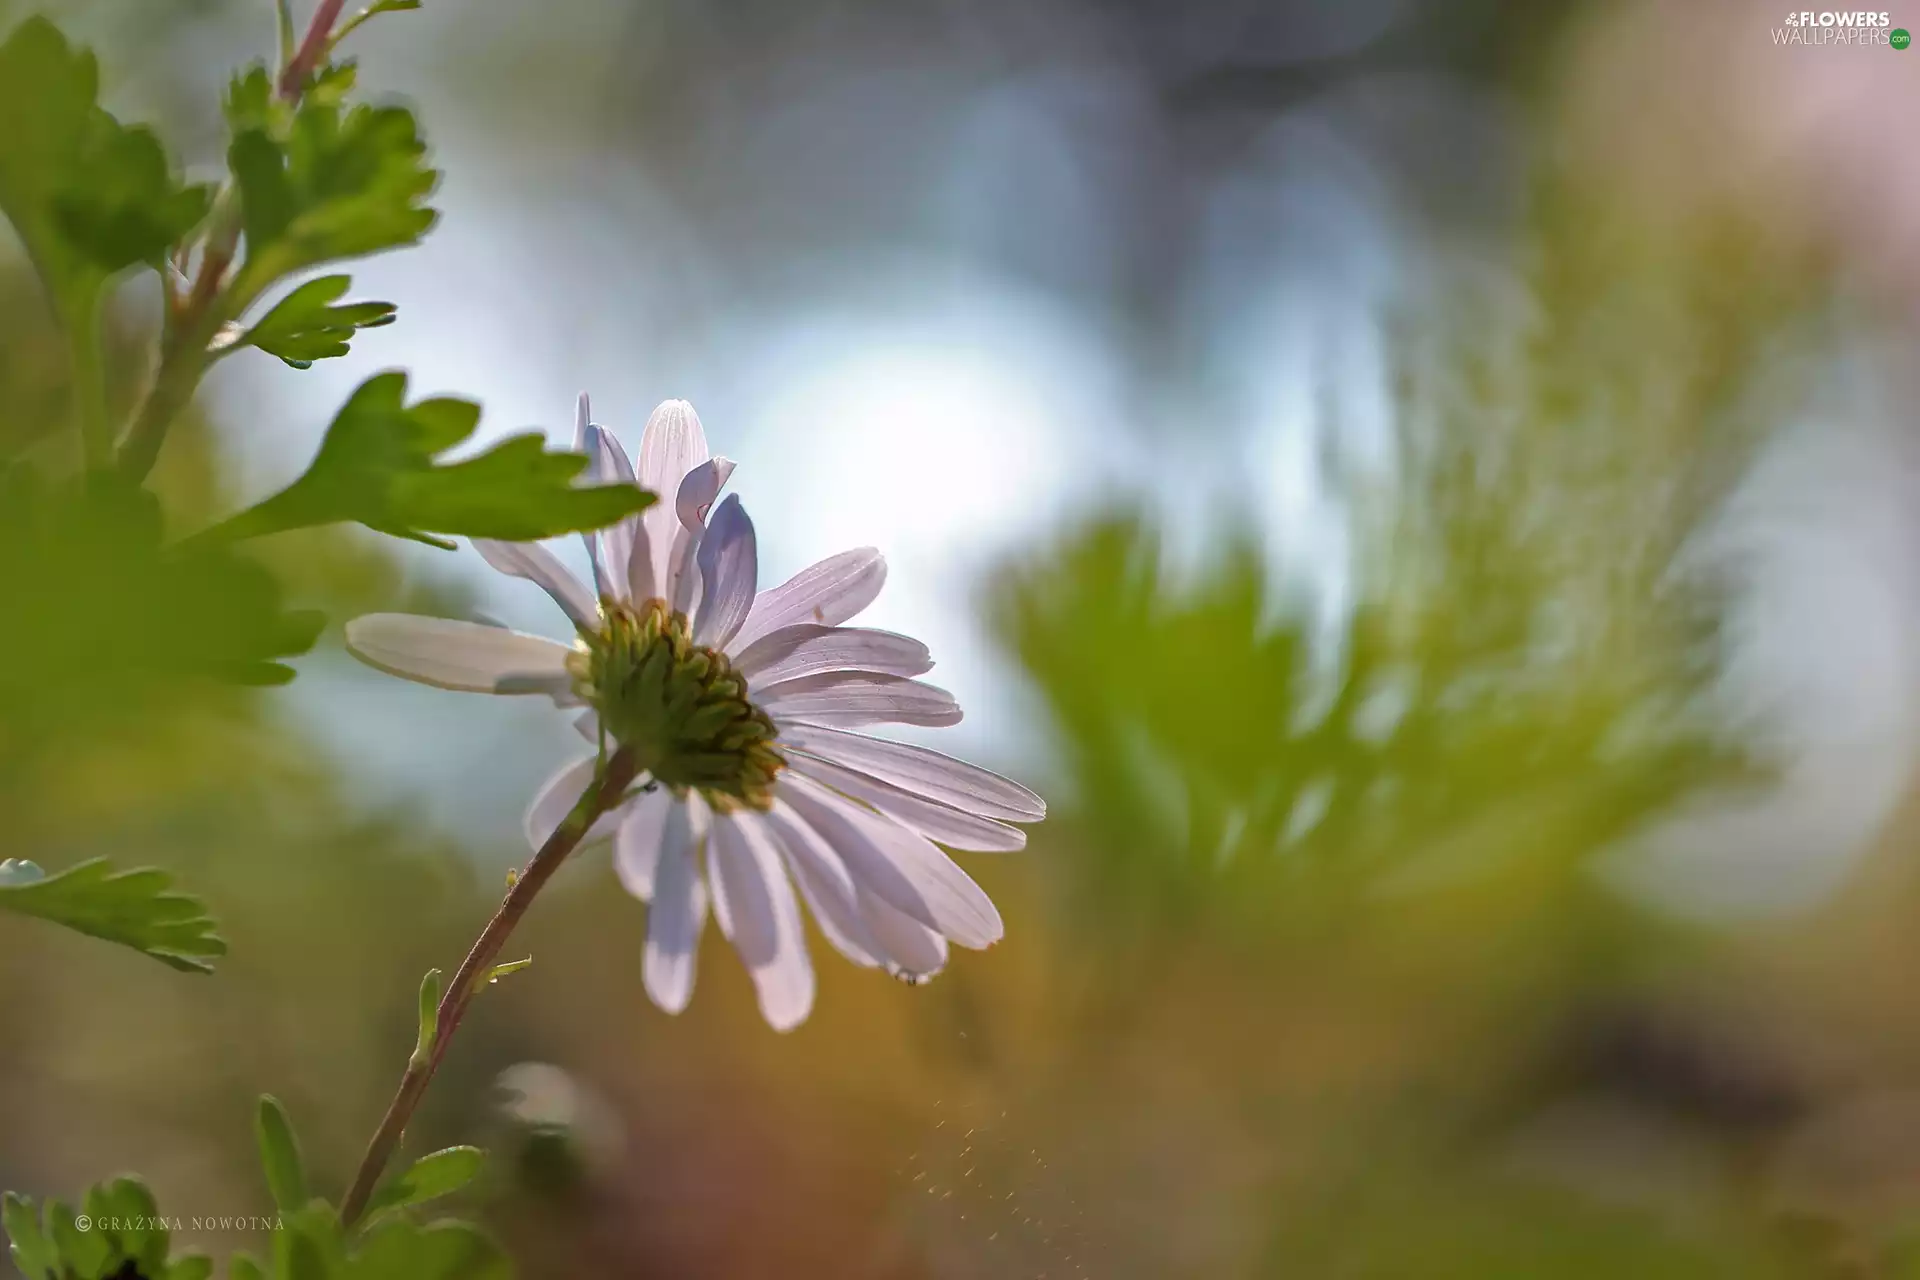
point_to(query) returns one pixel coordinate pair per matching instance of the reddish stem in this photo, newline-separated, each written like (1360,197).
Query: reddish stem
(312,45)
(601,795)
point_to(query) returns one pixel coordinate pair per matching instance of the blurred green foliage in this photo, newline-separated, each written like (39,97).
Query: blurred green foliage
(1308,974)
(88,196)
(132,1238)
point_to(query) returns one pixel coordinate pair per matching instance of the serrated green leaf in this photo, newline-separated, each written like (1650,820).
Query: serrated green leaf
(429,1178)
(249,102)
(376,466)
(306,326)
(122,206)
(134,908)
(33,1253)
(332,183)
(88,195)
(332,82)
(279,1154)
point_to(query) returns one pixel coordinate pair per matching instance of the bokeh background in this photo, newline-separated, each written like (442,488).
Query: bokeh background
(1427,490)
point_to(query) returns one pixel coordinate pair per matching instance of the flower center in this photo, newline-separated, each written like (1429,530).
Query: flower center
(679,708)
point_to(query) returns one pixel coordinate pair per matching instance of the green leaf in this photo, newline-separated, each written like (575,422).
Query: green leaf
(82,1253)
(88,195)
(429,1018)
(134,908)
(279,1154)
(327,184)
(283,29)
(429,1178)
(500,971)
(331,82)
(250,103)
(123,1236)
(309,1245)
(376,466)
(126,1220)
(105,619)
(192,1266)
(373,10)
(398,1250)
(34,1254)
(306,326)
(379,7)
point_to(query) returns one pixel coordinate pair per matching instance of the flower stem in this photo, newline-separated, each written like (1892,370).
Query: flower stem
(312,47)
(89,386)
(177,372)
(602,794)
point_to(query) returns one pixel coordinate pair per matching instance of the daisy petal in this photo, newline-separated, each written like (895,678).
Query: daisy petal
(676,916)
(717,897)
(826,885)
(617,544)
(684,575)
(555,800)
(950,827)
(728,567)
(808,650)
(922,771)
(914,952)
(636,845)
(747,871)
(697,492)
(699,489)
(540,566)
(673,444)
(582,424)
(826,594)
(457,655)
(844,698)
(898,866)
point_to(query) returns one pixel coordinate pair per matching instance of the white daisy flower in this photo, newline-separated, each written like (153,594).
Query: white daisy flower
(741,707)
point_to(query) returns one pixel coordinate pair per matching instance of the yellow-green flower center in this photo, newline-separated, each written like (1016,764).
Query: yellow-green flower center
(680,709)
